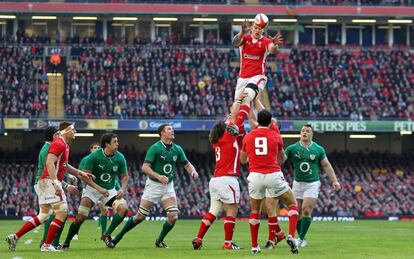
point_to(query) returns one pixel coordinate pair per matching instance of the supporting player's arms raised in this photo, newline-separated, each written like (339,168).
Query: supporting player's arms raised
(238,37)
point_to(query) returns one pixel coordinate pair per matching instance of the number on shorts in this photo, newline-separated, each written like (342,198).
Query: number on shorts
(218,153)
(260,146)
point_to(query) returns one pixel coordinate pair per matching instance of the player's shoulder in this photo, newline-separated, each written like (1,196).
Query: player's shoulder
(85,157)
(45,146)
(177,147)
(247,37)
(119,155)
(317,146)
(156,145)
(266,39)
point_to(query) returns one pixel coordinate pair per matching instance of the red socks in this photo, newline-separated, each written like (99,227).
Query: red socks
(293,219)
(242,115)
(229,228)
(273,227)
(254,221)
(207,220)
(29,225)
(54,228)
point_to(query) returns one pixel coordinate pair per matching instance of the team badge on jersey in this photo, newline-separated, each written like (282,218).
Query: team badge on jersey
(115,168)
(312,156)
(174,158)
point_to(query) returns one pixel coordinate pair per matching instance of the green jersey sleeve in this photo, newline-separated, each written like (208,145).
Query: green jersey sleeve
(89,163)
(151,155)
(123,169)
(288,151)
(322,153)
(182,157)
(82,163)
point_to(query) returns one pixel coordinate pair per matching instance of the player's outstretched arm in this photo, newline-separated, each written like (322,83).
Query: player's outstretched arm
(238,37)
(146,169)
(78,173)
(191,171)
(277,40)
(327,167)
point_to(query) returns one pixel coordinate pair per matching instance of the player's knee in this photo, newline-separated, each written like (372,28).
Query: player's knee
(43,217)
(142,213)
(120,205)
(252,90)
(216,207)
(172,213)
(60,208)
(306,211)
(83,210)
(172,217)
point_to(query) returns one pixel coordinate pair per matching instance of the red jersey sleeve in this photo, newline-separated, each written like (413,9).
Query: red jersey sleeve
(280,140)
(244,144)
(245,38)
(57,148)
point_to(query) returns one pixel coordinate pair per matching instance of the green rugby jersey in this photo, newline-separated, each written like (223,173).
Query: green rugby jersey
(106,169)
(41,160)
(163,160)
(305,161)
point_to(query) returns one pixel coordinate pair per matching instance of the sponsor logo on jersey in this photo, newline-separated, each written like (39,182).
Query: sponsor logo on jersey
(101,166)
(251,56)
(163,157)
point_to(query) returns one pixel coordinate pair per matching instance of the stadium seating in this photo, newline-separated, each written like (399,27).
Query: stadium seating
(178,82)
(382,184)
(24,84)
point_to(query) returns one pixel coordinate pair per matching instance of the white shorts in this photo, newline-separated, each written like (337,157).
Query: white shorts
(306,190)
(225,189)
(46,192)
(156,192)
(274,183)
(96,196)
(259,80)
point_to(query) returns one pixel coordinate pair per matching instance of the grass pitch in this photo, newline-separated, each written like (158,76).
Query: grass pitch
(359,239)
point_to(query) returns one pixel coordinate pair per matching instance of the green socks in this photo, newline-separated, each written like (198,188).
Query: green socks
(73,230)
(298,225)
(116,220)
(128,226)
(165,229)
(103,221)
(304,226)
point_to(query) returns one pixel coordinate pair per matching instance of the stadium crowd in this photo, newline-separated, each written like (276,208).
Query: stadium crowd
(382,184)
(24,83)
(177,82)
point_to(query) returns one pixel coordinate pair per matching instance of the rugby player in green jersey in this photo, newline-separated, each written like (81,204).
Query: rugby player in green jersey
(160,166)
(103,217)
(106,164)
(306,155)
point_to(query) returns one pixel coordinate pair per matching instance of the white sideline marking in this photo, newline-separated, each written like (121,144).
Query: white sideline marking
(28,241)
